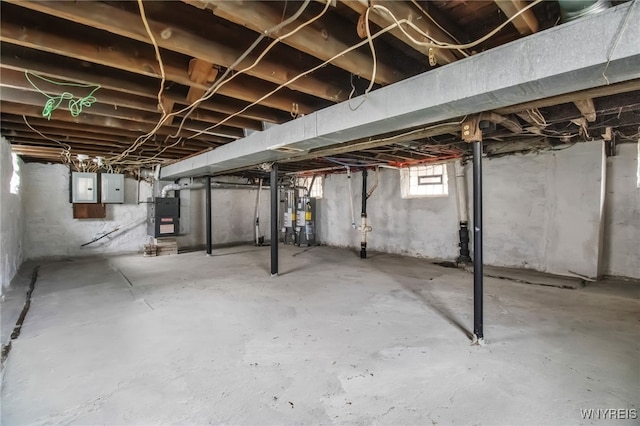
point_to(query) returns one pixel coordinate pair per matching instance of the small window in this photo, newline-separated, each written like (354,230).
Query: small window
(424,181)
(316,190)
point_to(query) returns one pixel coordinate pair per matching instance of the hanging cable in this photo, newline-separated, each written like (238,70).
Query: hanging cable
(142,139)
(221,82)
(369,40)
(75,105)
(143,15)
(444,45)
(66,152)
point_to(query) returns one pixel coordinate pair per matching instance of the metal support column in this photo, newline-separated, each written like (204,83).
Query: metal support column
(477,241)
(208,215)
(363,242)
(274,219)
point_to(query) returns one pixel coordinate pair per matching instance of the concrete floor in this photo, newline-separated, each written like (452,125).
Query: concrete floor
(191,339)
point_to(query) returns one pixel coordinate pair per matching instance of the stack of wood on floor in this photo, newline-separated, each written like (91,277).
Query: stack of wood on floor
(161,247)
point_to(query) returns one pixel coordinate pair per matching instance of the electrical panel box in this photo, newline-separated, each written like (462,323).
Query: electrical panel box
(163,217)
(84,187)
(112,185)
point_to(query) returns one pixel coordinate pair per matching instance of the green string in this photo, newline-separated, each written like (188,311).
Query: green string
(75,105)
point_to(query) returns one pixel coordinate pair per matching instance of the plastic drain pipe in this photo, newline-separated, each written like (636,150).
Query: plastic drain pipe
(257,217)
(208,213)
(353,218)
(463,232)
(364,227)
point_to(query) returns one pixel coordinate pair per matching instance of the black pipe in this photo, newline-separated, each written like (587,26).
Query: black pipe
(363,244)
(477,241)
(464,243)
(208,215)
(274,219)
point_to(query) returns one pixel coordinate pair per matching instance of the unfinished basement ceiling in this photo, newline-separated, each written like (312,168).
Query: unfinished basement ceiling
(199,43)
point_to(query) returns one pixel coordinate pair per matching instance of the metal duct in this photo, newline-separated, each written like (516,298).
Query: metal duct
(574,9)
(214,185)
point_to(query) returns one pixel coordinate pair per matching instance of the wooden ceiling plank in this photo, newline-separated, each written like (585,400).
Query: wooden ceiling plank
(200,72)
(120,22)
(526,23)
(37,99)
(612,89)
(382,141)
(15,80)
(587,108)
(90,119)
(317,39)
(129,60)
(52,70)
(39,122)
(55,154)
(403,10)
(71,139)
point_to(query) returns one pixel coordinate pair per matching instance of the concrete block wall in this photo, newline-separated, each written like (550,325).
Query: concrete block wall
(233,212)
(541,211)
(544,211)
(11,217)
(413,227)
(622,214)
(51,229)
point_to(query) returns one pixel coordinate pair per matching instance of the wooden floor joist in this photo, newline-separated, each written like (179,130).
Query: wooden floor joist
(109,18)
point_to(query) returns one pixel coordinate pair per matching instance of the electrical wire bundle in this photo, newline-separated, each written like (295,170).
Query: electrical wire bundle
(120,160)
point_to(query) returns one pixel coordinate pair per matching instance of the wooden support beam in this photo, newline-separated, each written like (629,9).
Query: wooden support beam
(122,86)
(506,122)
(117,21)
(17,89)
(90,119)
(200,72)
(318,39)
(378,142)
(131,61)
(403,10)
(36,99)
(55,154)
(79,148)
(587,109)
(526,23)
(41,123)
(118,146)
(596,92)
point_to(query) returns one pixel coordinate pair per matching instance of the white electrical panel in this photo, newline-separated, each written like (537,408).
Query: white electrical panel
(84,187)
(112,188)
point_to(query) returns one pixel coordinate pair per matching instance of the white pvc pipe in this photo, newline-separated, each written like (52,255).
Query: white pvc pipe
(179,187)
(353,218)
(461,185)
(257,215)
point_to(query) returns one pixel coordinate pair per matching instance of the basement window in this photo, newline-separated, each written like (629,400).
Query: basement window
(14,184)
(316,189)
(427,180)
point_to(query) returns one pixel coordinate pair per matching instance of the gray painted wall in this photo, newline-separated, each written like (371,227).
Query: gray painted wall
(11,218)
(414,227)
(622,214)
(544,211)
(541,211)
(233,212)
(51,229)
